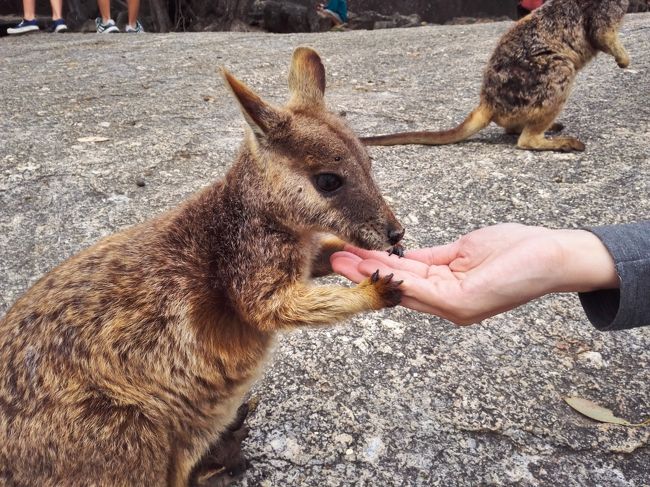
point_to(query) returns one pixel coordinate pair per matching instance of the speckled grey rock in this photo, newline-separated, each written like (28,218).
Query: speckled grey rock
(393,398)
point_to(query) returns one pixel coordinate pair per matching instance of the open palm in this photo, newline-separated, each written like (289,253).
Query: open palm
(485,272)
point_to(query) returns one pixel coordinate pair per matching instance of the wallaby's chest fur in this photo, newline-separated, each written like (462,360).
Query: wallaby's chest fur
(139,334)
(125,364)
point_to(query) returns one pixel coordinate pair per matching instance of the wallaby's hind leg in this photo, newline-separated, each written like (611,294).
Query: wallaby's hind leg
(553,129)
(513,130)
(224,462)
(533,139)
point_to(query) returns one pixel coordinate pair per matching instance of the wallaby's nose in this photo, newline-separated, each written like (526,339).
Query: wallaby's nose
(395,234)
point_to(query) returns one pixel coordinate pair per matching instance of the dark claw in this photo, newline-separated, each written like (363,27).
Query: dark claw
(375,276)
(397,250)
(224,462)
(242,413)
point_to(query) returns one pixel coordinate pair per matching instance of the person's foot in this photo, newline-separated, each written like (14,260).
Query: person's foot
(59,26)
(106,28)
(138,29)
(24,27)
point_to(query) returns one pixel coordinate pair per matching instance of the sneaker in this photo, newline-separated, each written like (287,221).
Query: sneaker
(59,26)
(108,28)
(138,29)
(24,27)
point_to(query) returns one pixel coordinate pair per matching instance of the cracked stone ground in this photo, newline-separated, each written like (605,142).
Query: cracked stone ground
(393,398)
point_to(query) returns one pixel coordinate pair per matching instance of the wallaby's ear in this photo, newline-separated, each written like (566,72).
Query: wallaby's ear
(261,116)
(306,78)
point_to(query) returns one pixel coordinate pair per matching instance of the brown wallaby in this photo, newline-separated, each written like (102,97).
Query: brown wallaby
(530,74)
(125,365)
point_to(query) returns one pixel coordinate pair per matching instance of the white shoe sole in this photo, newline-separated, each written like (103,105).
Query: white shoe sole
(109,30)
(22,30)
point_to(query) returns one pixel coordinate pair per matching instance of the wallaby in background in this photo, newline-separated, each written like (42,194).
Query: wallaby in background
(530,74)
(126,364)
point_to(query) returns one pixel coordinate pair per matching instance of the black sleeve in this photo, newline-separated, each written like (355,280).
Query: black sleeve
(629,306)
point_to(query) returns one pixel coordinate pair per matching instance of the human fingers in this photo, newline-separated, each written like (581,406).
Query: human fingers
(393,261)
(440,255)
(414,287)
(345,254)
(368,266)
(423,296)
(443,298)
(346,264)
(363,253)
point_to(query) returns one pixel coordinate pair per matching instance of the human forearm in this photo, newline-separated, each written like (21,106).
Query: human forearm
(585,264)
(629,306)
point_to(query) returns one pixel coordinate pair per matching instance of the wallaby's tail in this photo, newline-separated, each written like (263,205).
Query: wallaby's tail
(477,120)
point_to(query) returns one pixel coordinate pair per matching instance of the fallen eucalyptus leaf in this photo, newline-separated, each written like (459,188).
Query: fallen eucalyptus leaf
(598,413)
(93,138)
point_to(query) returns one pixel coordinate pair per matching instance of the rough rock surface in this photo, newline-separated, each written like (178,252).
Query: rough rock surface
(286,17)
(392,398)
(372,20)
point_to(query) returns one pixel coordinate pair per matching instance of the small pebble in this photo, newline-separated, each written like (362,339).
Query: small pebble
(139,181)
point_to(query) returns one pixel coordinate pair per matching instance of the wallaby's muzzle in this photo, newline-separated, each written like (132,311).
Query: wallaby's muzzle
(368,221)
(395,234)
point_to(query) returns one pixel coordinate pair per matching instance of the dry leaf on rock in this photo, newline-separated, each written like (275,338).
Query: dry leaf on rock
(93,138)
(598,413)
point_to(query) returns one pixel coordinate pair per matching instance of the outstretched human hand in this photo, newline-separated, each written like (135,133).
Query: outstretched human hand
(490,270)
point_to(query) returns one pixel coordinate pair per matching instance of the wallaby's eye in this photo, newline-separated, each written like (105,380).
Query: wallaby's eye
(337,158)
(328,182)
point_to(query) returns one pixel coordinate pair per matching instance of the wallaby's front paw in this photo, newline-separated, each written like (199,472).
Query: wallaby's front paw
(387,292)
(397,249)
